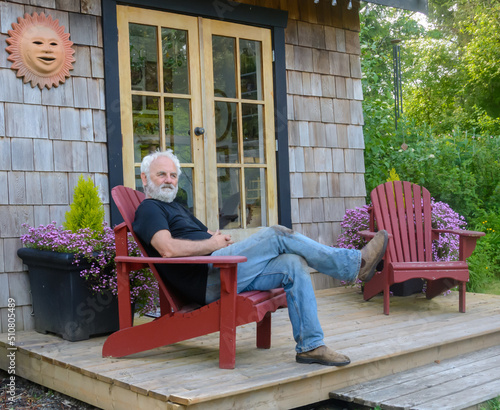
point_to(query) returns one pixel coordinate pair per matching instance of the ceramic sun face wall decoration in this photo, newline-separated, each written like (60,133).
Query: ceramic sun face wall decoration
(40,50)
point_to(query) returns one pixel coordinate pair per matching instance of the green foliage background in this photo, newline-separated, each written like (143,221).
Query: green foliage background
(448,138)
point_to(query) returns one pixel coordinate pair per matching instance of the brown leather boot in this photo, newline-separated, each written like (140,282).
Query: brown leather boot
(372,254)
(323,355)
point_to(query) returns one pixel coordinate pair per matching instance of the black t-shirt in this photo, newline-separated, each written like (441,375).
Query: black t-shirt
(152,215)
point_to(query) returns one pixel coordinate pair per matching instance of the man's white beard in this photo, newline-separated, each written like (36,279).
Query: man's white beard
(165,192)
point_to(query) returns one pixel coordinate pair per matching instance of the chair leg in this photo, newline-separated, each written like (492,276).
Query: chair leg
(124,307)
(264,332)
(387,298)
(227,337)
(461,298)
(227,349)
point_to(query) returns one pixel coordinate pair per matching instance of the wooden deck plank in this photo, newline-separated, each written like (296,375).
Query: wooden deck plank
(468,397)
(437,387)
(419,387)
(433,386)
(186,374)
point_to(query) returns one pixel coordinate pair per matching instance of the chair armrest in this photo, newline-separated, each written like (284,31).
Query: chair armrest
(460,232)
(369,234)
(216,260)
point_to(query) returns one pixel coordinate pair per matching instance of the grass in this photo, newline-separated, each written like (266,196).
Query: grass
(493,404)
(492,287)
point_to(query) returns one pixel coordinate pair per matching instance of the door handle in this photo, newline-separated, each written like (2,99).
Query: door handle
(199,131)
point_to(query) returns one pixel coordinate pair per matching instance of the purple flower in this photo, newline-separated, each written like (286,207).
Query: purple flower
(355,220)
(443,217)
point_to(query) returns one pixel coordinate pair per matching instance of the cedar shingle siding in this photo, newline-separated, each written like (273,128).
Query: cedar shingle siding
(325,116)
(47,139)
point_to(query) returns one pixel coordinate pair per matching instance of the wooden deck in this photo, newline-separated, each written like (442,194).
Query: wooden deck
(186,375)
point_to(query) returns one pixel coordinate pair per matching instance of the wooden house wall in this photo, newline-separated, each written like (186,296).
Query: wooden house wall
(49,137)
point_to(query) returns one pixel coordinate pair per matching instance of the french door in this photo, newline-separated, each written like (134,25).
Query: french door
(204,89)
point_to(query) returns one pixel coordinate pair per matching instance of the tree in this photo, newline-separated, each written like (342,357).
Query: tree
(453,74)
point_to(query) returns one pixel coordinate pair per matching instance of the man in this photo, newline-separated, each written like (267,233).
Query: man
(277,257)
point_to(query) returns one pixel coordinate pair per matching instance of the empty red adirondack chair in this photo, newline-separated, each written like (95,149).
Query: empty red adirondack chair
(404,210)
(180,320)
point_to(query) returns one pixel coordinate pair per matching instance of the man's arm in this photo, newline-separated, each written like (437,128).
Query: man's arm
(169,247)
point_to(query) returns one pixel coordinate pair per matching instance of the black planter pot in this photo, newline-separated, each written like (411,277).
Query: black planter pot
(408,287)
(62,302)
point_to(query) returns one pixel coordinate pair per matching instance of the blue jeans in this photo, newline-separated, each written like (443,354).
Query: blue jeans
(279,257)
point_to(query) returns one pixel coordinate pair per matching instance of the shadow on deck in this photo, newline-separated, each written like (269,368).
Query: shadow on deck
(186,374)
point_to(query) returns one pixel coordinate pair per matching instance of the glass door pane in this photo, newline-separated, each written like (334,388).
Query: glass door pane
(251,69)
(253,134)
(228,181)
(175,61)
(226,129)
(224,62)
(143,57)
(177,127)
(146,120)
(256,197)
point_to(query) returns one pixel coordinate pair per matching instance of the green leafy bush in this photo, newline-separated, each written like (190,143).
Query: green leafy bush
(87,210)
(484,264)
(458,168)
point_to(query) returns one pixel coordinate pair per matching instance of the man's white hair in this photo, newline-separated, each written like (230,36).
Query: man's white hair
(148,159)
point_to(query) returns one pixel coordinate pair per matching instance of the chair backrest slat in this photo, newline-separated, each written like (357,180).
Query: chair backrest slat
(393,216)
(427,212)
(419,227)
(401,217)
(381,215)
(408,193)
(404,210)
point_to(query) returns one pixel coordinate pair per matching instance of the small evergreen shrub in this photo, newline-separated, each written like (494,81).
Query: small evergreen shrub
(87,210)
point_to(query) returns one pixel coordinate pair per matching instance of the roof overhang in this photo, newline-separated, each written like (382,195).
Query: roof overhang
(413,5)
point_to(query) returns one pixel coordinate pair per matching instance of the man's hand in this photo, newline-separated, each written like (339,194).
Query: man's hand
(221,240)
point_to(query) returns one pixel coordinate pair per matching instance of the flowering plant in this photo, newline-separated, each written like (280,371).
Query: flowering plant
(98,249)
(355,220)
(443,217)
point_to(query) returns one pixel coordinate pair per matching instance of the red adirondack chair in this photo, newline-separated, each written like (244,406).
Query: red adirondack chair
(181,320)
(404,210)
